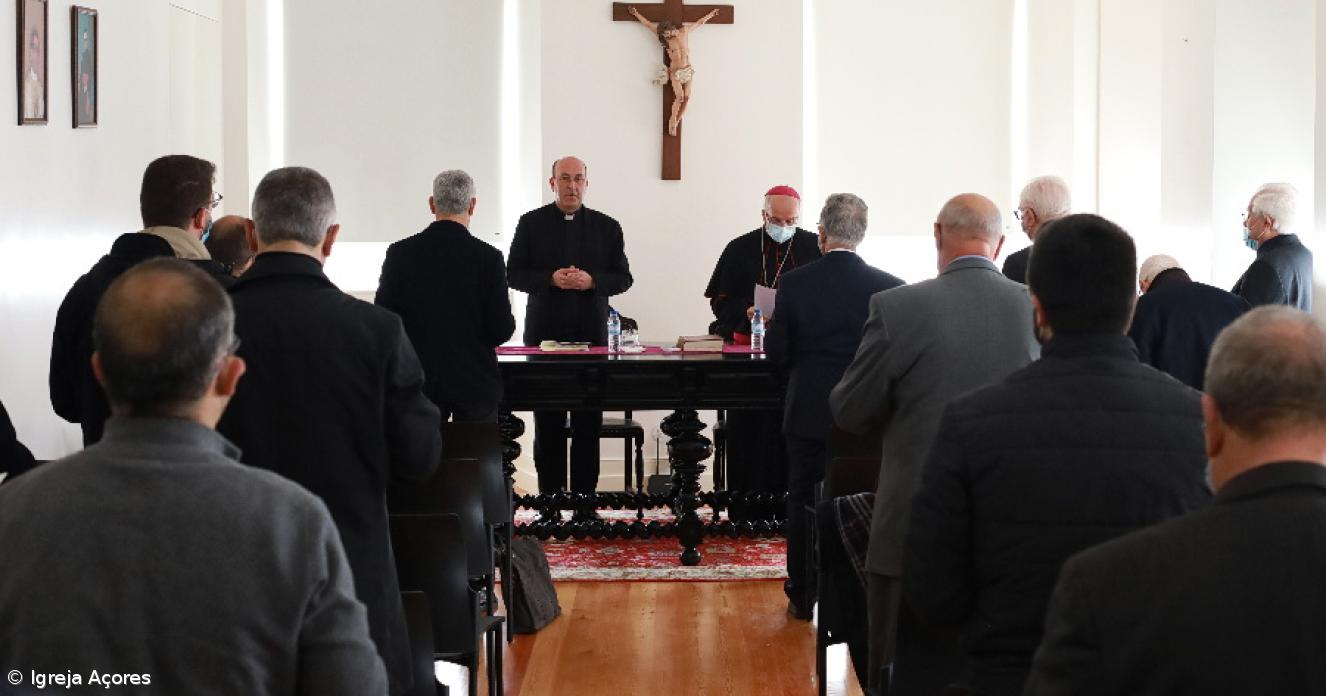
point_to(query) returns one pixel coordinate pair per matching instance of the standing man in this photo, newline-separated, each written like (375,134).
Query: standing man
(1282,271)
(922,346)
(154,553)
(569,259)
(1177,319)
(821,309)
(176,201)
(1079,447)
(333,398)
(228,243)
(1224,600)
(756,451)
(449,289)
(1043,199)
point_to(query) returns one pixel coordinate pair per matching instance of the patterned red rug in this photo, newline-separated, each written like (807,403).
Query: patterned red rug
(658,559)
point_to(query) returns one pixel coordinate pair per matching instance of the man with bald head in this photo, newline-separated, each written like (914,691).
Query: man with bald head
(923,345)
(1224,600)
(229,243)
(164,557)
(1042,200)
(568,259)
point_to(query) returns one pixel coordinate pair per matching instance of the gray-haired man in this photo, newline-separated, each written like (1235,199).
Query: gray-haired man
(334,395)
(821,308)
(449,289)
(1044,199)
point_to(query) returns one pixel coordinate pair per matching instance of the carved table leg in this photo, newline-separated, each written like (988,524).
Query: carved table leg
(687,450)
(510,427)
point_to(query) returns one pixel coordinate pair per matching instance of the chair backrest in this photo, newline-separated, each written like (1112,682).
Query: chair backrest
(430,558)
(454,488)
(853,465)
(483,442)
(419,624)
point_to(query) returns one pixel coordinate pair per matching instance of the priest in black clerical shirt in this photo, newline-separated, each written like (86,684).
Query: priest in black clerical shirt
(756,456)
(569,259)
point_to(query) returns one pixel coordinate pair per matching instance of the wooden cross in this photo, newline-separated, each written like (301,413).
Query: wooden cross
(677,12)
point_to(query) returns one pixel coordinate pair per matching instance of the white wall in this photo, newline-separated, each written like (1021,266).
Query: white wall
(65,194)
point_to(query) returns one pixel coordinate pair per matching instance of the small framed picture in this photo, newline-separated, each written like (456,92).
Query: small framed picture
(32,63)
(83,20)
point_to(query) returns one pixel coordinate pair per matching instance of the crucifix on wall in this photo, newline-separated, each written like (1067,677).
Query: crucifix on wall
(672,21)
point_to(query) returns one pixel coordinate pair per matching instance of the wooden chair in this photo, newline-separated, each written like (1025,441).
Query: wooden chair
(632,435)
(852,467)
(419,624)
(457,487)
(430,557)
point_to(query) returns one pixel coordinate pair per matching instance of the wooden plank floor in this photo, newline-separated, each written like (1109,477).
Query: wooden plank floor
(620,638)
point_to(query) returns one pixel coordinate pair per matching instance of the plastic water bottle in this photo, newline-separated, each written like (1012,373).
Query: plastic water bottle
(614,332)
(757,332)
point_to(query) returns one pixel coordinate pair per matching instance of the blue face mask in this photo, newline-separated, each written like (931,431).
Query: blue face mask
(207,232)
(1248,241)
(778,233)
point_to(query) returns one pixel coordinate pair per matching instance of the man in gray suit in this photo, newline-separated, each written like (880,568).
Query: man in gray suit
(153,559)
(923,345)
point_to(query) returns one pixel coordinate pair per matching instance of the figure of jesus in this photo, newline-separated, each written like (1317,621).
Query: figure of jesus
(679,70)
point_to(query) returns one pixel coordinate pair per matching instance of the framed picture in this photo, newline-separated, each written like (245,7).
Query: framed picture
(32,91)
(83,20)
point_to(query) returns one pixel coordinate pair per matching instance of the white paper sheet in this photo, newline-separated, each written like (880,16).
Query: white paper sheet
(764,300)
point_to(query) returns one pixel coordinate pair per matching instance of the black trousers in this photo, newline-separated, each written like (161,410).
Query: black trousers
(550,450)
(805,468)
(756,459)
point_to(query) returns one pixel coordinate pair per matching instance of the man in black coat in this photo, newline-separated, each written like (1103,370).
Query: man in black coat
(176,202)
(1282,271)
(569,259)
(1079,447)
(1224,600)
(1177,319)
(449,290)
(757,456)
(1043,200)
(333,397)
(816,329)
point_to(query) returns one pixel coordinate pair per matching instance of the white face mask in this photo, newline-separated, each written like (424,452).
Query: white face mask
(778,233)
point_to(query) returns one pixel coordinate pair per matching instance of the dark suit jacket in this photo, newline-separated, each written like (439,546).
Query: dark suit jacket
(1176,322)
(14,457)
(545,242)
(1015,266)
(155,551)
(75,394)
(1225,600)
(1079,447)
(449,290)
(816,330)
(333,399)
(1281,274)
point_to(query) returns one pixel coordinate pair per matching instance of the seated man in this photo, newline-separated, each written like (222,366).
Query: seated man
(1081,446)
(154,555)
(1223,600)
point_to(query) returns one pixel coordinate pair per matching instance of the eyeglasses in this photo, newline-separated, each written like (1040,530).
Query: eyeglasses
(1017,213)
(214,202)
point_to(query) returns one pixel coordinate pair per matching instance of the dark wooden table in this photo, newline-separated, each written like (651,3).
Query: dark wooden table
(681,383)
